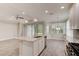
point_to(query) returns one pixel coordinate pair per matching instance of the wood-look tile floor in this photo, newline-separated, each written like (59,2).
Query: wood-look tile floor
(54,48)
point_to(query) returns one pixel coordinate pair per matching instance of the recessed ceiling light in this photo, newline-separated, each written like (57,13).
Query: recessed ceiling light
(46,11)
(35,20)
(26,21)
(62,7)
(23,13)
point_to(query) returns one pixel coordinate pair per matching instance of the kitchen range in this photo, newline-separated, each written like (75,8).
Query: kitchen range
(72,46)
(72,49)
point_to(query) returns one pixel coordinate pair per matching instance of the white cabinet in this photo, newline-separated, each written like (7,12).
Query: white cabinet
(35,48)
(25,48)
(32,48)
(74,16)
(41,44)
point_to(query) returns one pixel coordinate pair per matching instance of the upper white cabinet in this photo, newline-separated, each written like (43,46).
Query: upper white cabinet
(74,16)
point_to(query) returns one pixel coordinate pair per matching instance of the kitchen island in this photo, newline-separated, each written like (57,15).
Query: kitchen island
(31,46)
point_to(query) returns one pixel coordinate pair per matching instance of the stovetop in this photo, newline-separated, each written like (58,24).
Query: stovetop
(75,47)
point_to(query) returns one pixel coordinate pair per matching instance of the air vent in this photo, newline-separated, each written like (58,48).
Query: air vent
(50,13)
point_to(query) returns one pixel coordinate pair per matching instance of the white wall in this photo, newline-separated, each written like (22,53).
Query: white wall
(7,30)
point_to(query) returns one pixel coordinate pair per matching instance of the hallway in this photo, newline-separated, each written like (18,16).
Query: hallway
(54,48)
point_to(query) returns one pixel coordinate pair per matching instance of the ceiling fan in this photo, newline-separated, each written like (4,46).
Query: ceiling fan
(19,17)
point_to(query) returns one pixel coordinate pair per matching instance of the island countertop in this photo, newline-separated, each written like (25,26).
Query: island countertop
(30,39)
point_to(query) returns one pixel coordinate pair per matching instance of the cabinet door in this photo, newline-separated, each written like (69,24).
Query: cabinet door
(35,48)
(41,44)
(77,15)
(26,49)
(74,17)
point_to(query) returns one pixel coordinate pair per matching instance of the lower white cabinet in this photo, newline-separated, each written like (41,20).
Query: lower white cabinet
(31,48)
(35,48)
(41,45)
(25,48)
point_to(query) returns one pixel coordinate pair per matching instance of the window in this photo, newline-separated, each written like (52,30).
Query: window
(57,28)
(39,29)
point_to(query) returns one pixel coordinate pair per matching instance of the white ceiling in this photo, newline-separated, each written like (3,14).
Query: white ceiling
(9,11)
